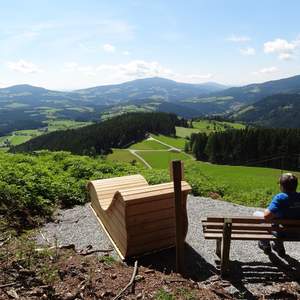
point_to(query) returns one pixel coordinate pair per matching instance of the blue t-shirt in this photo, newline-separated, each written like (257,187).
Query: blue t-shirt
(286,205)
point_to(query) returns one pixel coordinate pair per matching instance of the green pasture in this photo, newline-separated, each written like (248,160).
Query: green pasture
(252,186)
(176,142)
(54,125)
(124,155)
(207,126)
(161,159)
(148,145)
(183,132)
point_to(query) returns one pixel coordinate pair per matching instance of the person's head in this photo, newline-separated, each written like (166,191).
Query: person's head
(288,182)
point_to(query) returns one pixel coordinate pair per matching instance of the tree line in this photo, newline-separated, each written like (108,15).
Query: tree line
(266,147)
(117,132)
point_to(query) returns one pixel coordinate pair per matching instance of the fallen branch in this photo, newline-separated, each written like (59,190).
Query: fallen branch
(5,241)
(95,251)
(47,241)
(130,282)
(8,284)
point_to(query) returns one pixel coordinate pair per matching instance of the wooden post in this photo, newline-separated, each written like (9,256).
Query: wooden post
(218,247)
(226,239)
(177,177)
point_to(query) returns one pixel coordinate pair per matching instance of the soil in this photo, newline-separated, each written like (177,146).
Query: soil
(64,274)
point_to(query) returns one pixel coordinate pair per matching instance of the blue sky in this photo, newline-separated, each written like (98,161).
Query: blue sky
(76,44)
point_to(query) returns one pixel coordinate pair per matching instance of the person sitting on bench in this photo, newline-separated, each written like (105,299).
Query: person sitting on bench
(284,205)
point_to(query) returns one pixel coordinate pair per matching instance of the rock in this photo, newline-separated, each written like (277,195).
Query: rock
(26,272)
(139,278)
(13,294)
(113,276)
(44,297)
(70,296)
(139,296)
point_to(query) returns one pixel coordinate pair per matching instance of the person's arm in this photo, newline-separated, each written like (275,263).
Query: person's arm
(275,207)
(268,215)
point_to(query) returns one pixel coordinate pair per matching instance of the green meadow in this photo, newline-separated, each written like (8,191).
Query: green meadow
(176,142)
(148,145)
(162,159)
(123,155)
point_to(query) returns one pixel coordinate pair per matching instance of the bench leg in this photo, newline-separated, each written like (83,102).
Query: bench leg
(225,246)
(218,247)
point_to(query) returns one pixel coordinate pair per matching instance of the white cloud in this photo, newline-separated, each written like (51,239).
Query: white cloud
(283,48)
(23,66)
(268,70)
(109,48)
(116,73)
(71,65)
(278,46)
(248,51)
(285,56)
(238,38)
(126,53)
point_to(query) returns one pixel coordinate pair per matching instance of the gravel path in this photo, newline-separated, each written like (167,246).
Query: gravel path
(252,270)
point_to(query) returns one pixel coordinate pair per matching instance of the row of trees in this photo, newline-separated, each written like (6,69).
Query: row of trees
(99,138)
(277,148)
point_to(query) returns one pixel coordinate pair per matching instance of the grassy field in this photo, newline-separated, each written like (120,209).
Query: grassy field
(54,125)
(125,156)
(161,159)
(22,136)
(207,126)
(251,186)
(148,145)
(174,142)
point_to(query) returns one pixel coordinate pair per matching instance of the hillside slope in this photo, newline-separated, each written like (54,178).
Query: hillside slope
(100,138)
(278,111)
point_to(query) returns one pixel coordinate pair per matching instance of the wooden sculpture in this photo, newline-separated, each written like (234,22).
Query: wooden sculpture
(137,217)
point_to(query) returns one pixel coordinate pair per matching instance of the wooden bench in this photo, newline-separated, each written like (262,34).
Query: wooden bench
(137,217)
(225,229)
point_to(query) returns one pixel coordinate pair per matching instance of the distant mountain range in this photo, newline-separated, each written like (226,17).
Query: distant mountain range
(277,111)
(28,103)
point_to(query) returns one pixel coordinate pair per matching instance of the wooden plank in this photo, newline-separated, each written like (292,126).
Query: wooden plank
(118,179)
(154,198)
(118,186)
(177,170)
(148,196)
(150,237)
(255,220)
(238,231)
(153,246)
(150,227)
(108,235)
(148,207)
(151,217)
(225,247)
(184,185)
(218,247)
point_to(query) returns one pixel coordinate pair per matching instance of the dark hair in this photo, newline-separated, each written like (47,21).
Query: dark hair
(289,182)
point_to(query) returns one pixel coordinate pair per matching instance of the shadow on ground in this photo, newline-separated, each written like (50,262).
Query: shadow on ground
(280,270)
(241,275)
(195,267)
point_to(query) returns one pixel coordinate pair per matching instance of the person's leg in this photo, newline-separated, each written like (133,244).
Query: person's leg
(265,246)
(278,247)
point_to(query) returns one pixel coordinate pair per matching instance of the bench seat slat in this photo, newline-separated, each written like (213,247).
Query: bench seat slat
(252,220)
(253,227)
(238,236)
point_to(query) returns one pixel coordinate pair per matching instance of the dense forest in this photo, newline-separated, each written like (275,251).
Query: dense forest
(276,148)
(276,111)
(117,132)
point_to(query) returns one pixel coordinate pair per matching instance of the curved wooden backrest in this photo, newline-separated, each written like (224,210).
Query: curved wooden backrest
(137,217)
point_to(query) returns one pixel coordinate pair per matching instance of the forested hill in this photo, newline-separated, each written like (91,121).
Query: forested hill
(277,111)
(100,138)
(254,92)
